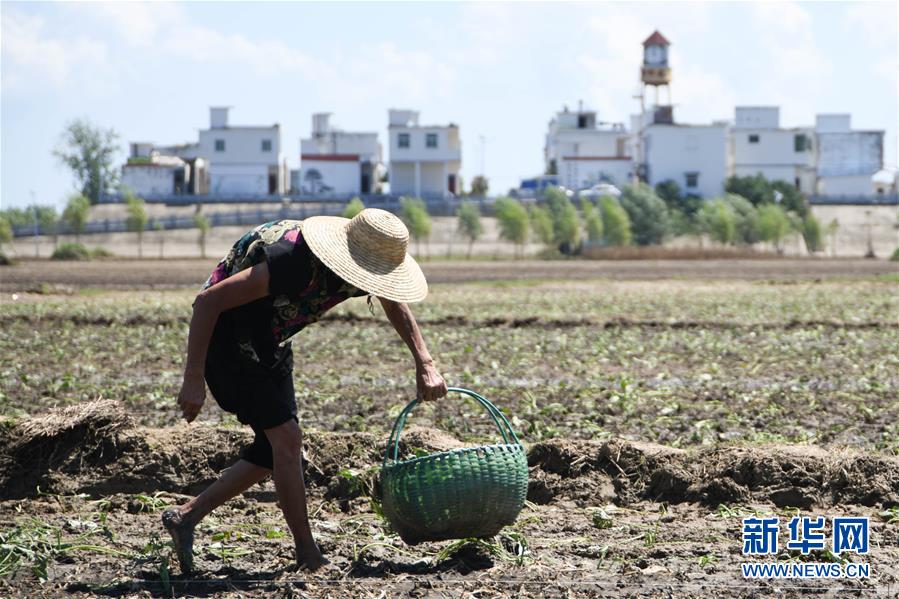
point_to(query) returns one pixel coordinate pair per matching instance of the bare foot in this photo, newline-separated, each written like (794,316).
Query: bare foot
(182,533)
(311,559)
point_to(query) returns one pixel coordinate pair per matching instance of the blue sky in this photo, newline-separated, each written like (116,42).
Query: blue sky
(499,70)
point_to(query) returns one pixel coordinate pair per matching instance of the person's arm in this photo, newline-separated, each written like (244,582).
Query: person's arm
(429,382)
(243,287)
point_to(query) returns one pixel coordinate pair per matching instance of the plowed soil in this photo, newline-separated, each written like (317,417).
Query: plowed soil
(611,518)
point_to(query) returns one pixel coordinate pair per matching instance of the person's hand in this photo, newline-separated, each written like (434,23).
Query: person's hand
(191,397)
(430,384)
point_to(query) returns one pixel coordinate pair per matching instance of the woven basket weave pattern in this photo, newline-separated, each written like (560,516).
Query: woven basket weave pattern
(471,492)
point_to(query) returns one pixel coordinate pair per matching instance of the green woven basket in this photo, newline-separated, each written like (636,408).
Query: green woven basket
(457,494)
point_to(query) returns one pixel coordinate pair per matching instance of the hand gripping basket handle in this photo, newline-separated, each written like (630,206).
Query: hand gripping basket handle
(505,429)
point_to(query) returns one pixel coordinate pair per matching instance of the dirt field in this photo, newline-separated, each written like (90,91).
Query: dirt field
(660,403)
(190,273)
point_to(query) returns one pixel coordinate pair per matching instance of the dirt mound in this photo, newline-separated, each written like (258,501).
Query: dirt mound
(795,476)
(94,448)
(63,441)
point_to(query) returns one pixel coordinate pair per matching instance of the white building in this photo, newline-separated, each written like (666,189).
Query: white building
(696,157)
(243,159)
(584,153)
(338,162)
(847,159)
(424,160)
(152,172)
(760,146)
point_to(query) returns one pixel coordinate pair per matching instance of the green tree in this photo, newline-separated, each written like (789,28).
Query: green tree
(774,225)
(353,207)
(746,218)
(414,213)
(513,222)
(616,223)
(566,221)
(812,234)
(541,224)
(470,224)
(6,235)
(137,218)
(76,213)
(592,221)
(790,198)
(647,212)
(718,220)
(479,186)
(202,224)
(670,193)
(754,188)
(90,151)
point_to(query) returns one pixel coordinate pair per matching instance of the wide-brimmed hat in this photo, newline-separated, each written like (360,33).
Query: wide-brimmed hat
(368,252)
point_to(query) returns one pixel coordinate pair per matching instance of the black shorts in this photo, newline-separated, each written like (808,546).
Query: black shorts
(260,397)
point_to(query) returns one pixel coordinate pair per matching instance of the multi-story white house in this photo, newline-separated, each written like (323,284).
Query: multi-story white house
(338,162)
(243,159)
(583,152)
(760,146)
(696,157)
(847,159)
(425,160)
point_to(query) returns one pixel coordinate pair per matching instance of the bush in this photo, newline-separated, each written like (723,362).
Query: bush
(616,223)
(718,220)
(414,213)
(566,222)
(592,221)
(541,224)
(513,221)
(895,256)
(647,212)
(746,218)
(76,213)
(353,207)
(774,225)
(71,251)
(99,252)
(812,234)
(5,261)
(470,224)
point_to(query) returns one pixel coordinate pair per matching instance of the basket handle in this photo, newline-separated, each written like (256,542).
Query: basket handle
(498,418)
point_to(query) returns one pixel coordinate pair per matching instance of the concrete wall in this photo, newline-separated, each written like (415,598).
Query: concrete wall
(581,174)
(850,153)
(147,179)
(774,147)
(672,151)
(848,185)
(238,178)
(342,176)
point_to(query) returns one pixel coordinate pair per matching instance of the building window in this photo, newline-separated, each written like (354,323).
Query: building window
(431,140)
(754,139)
(692,181)
(266,145)
(403,140)
(801,143)
(798,183)
(220,145)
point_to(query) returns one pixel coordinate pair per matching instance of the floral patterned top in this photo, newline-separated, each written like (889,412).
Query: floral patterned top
(301,290)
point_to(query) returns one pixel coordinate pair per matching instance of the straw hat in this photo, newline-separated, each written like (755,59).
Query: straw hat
(368,252)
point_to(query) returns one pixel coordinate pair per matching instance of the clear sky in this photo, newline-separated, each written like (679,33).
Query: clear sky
(150,71)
